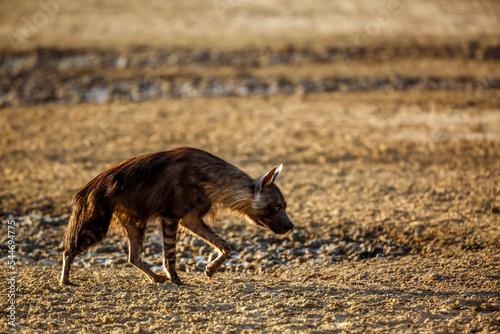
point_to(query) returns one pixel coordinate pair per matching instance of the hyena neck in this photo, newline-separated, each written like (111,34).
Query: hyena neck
(233,191)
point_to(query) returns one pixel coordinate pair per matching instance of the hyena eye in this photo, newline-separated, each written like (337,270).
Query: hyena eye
(277,208)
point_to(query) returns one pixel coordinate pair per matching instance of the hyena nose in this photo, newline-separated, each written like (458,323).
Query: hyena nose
(290,225)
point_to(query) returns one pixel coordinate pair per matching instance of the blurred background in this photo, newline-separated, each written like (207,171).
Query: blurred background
(104,51)
(385,114)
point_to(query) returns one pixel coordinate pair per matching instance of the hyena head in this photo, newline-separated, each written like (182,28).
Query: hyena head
(269,206)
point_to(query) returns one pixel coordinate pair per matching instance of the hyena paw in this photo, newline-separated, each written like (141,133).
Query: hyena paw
(209,272)
(160,278)
(177,281)
(68,283)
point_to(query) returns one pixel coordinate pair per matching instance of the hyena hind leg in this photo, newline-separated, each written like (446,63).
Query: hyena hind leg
(169,232)
(93,231)
(135,238)
(67,260)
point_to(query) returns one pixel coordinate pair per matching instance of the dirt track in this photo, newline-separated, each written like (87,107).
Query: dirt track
(391,167)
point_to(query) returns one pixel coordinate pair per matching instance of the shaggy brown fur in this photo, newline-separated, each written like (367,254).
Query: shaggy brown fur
(181,186)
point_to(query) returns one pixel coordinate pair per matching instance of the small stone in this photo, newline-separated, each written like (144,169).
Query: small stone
(308,305)
(106,320)
(246,308)
(490,307)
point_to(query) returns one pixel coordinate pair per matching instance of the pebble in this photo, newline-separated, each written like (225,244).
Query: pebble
(308,305)
(106,320)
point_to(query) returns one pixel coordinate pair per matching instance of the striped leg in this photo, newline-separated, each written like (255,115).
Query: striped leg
(135,238)
(196,225)
(169,231)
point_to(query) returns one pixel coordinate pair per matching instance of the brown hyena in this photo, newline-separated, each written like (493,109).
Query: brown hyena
(180,186)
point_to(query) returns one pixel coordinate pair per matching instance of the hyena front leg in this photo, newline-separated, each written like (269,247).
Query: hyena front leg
(196,225)
(169,232)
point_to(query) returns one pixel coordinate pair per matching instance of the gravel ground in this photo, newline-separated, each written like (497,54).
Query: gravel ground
(406,294)
(396,218)
(391,153)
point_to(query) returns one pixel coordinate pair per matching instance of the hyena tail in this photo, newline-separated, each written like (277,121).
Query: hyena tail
(88,224)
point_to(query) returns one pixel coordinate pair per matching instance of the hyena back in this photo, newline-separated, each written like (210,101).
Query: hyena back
(180,186)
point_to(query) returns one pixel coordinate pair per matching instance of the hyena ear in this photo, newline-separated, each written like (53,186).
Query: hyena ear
(268,179)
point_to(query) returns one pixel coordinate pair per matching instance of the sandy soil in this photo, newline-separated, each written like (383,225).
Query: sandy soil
(394,188)
(396,214)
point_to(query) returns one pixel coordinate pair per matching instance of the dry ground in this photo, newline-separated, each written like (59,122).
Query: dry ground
(418,181)
(394,188)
